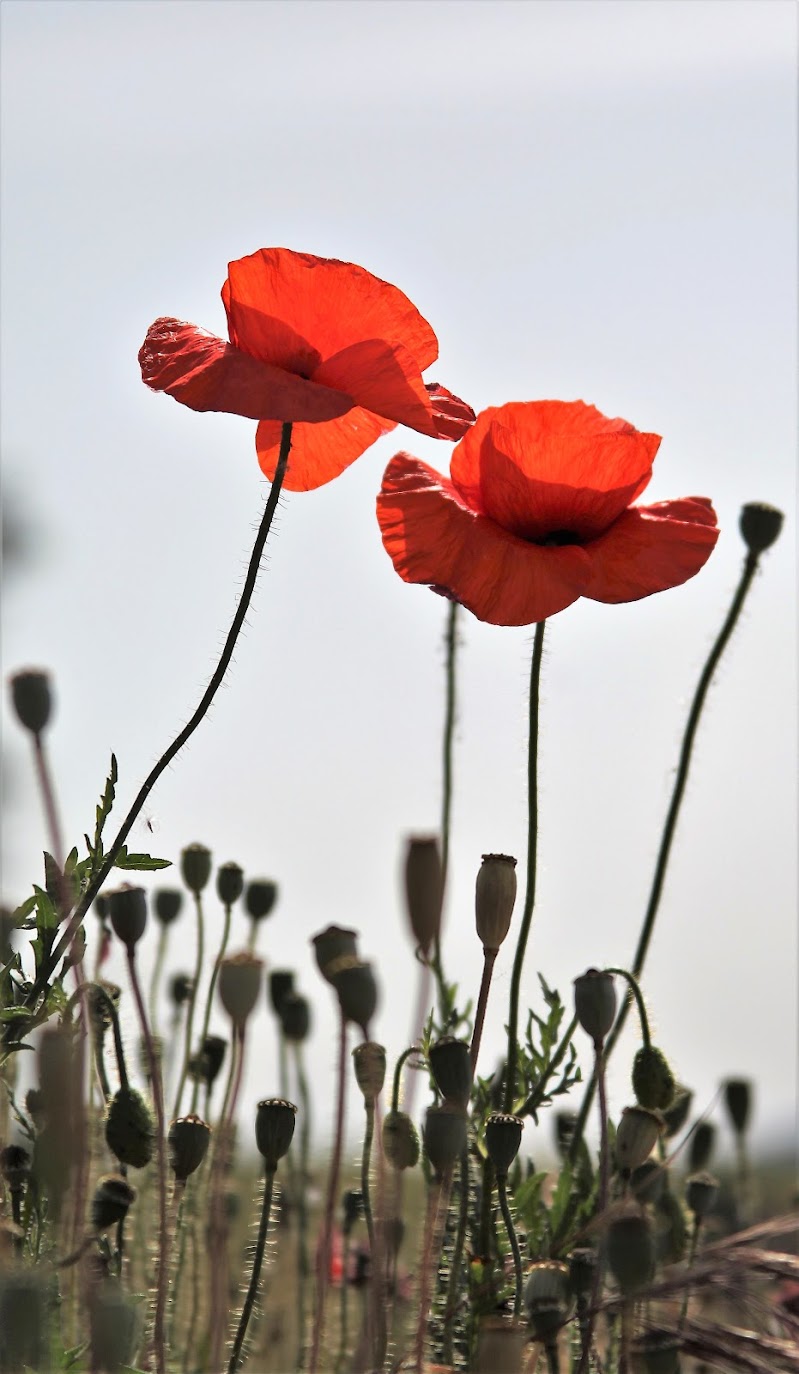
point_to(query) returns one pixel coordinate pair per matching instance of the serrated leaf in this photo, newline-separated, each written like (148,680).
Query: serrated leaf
(144,863)
(46,914)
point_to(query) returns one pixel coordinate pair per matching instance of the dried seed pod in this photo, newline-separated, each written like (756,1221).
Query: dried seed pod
(445,1132)
(239,985)
(636,1135)
(129,1129)
(738,1101)
(451,1067)
(631,1251)
(295,1017)
(180,988)
(700,1146)
(653,1081)
(274,1129)
(127,911)
(113,1196)
(188,1138)
(547,1281)
(195,867)
(400,1140)
(502,1140)
(229,883)
(495,895)
(424,889)
(332,944)
(701,1191)
(32,698)
(356,987)
(260,899)
(595,1003)
(281,983)
(167,904)
(370,1069)
(760,525)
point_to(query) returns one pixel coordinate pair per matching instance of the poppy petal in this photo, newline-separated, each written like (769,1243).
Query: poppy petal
(382,378)
(432,537)
(319,452)
(205,373)
(651,548)
(327,305)
(452,415)
(552,467)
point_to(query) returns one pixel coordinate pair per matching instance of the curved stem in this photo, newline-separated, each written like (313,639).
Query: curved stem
(118,1046)
(395,1091)
(258,1258)
(749,569)
(489,959)
(502,1191)
(532,851)
(187,731)
(635,990)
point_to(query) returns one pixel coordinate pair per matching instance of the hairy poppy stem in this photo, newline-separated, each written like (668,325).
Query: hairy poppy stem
(502,1191)
(249,1302)
(210,998)
(750,567)
(602,1203)
(185,734)
(532,854)
(323,1253)
(195,987)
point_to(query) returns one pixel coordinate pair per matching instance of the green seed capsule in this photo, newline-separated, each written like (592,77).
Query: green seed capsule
(451,1065)
(188,1139)
(129,1129)
(195,866)
(653,1081)
(631,1252)
(274,1129)
(595,1003)
(400,1140)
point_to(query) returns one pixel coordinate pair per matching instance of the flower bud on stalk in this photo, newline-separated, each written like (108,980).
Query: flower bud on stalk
(113,1196)
(355,984)
(678,1110)
(168,904)
(595,1003)
(229,883)
(260,899)
(189,1137)
(400,1140)
(700,1146)
(631,1252)
(700,1193)
(180,989)
(653,1080)
(274,1129)
(127,910)
(332,944)
(424,890)
(207,1064)
(295,1017)
(32,698)
(495,895)
(195,867)
(738,1101)
(239,985)
(445,1131)
(760,526)
(281,983)
(370,1069)
(636,1135)
(129,1129)
(451,1066)
(112,1327)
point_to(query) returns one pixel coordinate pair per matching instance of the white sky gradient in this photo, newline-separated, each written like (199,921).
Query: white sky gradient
(585,200)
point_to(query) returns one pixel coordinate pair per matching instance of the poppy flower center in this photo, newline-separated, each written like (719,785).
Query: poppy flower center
(557,538)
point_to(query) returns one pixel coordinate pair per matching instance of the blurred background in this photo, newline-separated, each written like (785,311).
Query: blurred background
(591,201)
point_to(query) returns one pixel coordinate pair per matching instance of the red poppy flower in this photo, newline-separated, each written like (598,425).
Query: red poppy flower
(537,513)
(317,342)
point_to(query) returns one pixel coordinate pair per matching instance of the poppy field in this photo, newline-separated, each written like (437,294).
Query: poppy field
(148,1223)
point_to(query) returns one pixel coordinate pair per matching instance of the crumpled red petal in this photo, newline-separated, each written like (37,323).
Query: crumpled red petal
(327,306)
(451,415)
(319,452)
(540,467)
(651,548)
(205,373)
(433,538)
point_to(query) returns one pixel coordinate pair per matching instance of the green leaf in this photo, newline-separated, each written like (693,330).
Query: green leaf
(72,1356)
(46,913)
(14,1014)
(144,863)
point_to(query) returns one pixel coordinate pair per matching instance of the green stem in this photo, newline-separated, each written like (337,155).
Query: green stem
(697,1226)
(156,978)
(502,1190)
(118,1046)
(249,1301)
(323,1257)
(457,1256)
(185,734)
(532,851)
(489,959)
(451,641)
(210,999)
(198,968)
(395,1092)
(303,1267)
(602,1203)
(636,992)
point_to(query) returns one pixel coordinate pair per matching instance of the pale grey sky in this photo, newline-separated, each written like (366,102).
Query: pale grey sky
(585,200)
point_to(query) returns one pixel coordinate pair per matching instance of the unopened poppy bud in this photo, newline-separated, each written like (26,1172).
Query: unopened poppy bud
(167,903)
(261,897)
(127,910)
(336,942)
(760,525)
(424,889)
(229,883)
(451,1066)
(195,866)
(637,1133)
(445,1131)
(400,1140)
(352,1208)
(500,1346)
(502,1140)
(370,1069)
(239,984)
(649,1180)
(129,1129)
(656,1352)
(274,1129)
(281,983)
(356,987)
(631,1251)
(678,1110)
(495,894)
(188,1139)
(180,988)
(738,1101)
(113,1196)
(653,1080)
(295,1017)
(32,698)
(701,1191)
(595,1003)
(700,1146)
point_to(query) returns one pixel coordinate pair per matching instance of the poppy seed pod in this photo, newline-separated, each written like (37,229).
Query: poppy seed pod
(229,883)
(451,1066)
(636,1134)
(445,1131)
(261,897)
(424,889)
(502,1140)
(400,1140)
(32,698)
(167,904)
(656,1352)
(760,525)
(295,1017)
(15,1166)
(738,1101)
(239,984)
(631,1251)
(331,944)
(127,910)
(188,1139)
(180,988)
(113,1196)
(129,1129)
(370,1069)
(701,1191)
(204,1066)
(582,1267)
(274,1129)
(678,1110)
(595,1003)
(195,867)
(494,898)
(281,983)
(700,1146)
(356,988)
(649,1180)
(500,1346)
(653,1081)
(548,1281)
